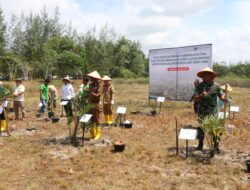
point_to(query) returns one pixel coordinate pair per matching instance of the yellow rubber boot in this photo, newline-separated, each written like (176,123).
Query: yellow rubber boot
(106,117)
(3,125)
(110,119)
(97,133)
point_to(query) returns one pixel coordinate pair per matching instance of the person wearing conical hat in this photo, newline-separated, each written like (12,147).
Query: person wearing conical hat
(95,94)
(206,94)
(67,94)
(108,99)
(18,100)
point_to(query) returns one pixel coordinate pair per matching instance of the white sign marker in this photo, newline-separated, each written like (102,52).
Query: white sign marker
(63,103)
(234,108)
(85,118)
(161,99)
(121,110)
(188,134)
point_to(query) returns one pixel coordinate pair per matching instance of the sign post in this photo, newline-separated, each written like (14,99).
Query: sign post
(172,71)
(187,134)
(121,112)
(84,119)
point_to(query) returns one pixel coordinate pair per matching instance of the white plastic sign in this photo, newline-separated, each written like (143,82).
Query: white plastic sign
(188,134)
(121,110)
(85,118)
(69,97)
(234,109)
(161,99)
(1,109)
(5,104)
(63,103)
(221,115)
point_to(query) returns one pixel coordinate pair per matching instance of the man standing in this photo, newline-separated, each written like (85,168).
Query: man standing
(18,101)
(94,101)
(206,94)
(67,95)
(108,99)
(44,95)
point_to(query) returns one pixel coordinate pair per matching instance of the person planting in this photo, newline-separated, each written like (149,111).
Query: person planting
(95,94)
(206,94)
(44,95)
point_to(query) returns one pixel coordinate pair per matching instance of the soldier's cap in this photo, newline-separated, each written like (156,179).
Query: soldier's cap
(18,80)
(106,78)
(206,70)
(229,88)
(66,78)
(95,75)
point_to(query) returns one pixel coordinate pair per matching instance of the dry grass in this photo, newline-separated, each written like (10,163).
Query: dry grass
(148,161)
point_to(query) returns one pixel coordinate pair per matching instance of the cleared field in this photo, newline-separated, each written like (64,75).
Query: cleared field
(39,159)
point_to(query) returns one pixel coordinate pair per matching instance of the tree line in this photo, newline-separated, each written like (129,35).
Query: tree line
(38,46)
(239,70)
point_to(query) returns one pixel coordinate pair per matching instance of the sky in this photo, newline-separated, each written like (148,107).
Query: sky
(157,23)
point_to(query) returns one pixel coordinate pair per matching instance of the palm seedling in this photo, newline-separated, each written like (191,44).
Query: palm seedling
(213,127)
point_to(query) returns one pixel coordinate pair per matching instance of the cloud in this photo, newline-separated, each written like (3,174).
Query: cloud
(157,23)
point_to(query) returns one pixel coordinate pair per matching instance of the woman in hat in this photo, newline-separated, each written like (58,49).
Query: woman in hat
(206,94)
(94,100)
(44,95)
(67,95)
(108,99)
(18,101)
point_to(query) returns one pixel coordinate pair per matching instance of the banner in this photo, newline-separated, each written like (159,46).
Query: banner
(172,71)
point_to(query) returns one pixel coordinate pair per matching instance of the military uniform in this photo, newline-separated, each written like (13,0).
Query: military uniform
(207,105)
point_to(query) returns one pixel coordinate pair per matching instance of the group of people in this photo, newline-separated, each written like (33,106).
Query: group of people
(205,98)
(91,90)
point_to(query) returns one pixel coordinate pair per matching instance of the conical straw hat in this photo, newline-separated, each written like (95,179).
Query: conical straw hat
(94,74)
(206,70)
(106,78)
(229,88)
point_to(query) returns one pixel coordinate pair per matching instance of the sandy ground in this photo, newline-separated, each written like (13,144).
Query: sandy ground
(41,158)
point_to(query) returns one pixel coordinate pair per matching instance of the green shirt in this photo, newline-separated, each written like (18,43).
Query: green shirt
(85,92)
(45,91)
(208,105)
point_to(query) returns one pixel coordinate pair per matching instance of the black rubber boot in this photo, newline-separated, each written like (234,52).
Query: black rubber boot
(216,148)
(200,145)
(200,137)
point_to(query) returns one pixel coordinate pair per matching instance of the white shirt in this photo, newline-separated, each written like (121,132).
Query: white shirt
(67,91)
(19,89)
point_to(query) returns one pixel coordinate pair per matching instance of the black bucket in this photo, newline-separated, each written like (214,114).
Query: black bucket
(248,166)
(128,125)
(119,147)
(51,114)
(55,119)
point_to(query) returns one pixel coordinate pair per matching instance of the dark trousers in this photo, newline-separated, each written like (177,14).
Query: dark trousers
(68,108)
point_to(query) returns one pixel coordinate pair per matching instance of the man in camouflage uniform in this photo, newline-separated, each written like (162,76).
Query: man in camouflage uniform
(206,94)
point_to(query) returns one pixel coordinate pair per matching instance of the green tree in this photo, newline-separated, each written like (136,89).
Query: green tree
(2,33)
